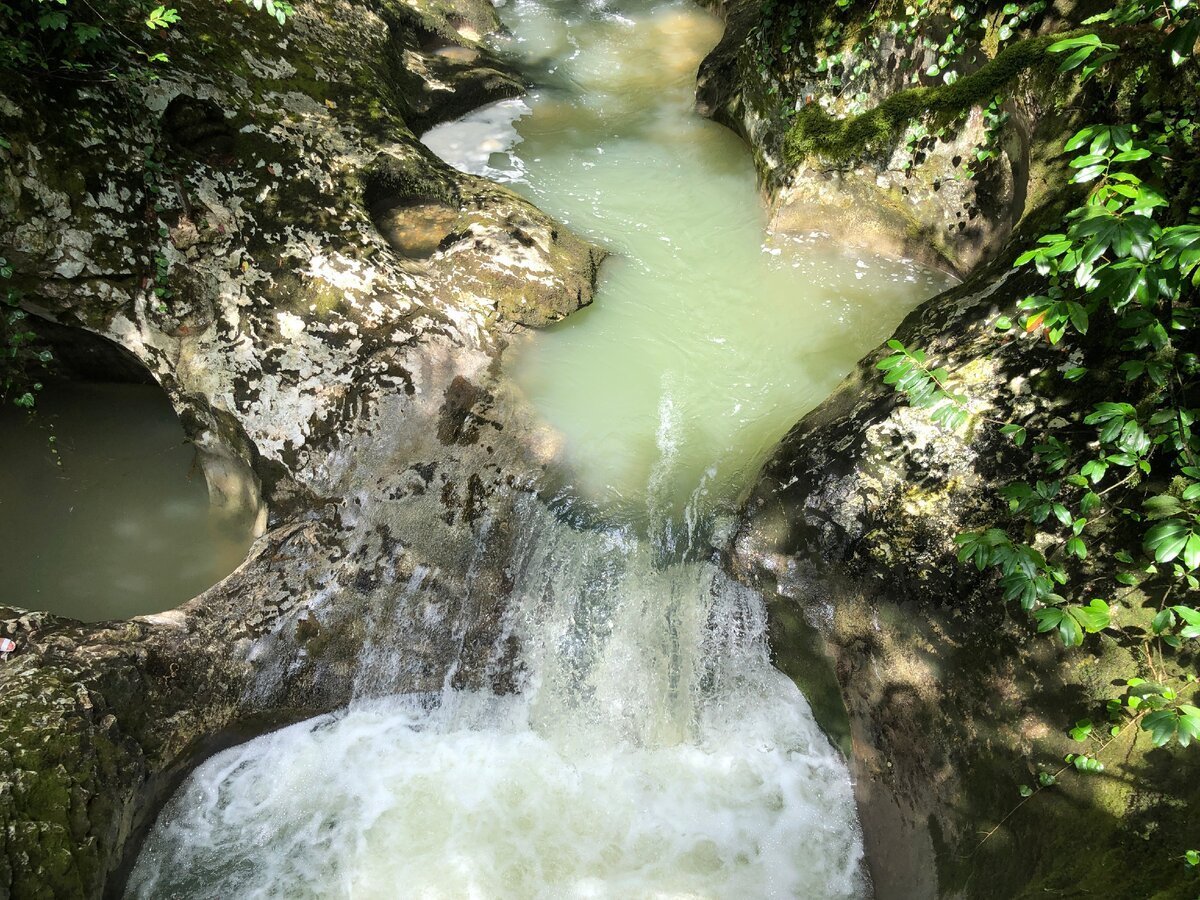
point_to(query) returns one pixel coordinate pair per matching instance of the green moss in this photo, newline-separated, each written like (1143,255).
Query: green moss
(392,180)
(816,133)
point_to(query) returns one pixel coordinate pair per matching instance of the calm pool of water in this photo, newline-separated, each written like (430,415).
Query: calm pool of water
(122,524)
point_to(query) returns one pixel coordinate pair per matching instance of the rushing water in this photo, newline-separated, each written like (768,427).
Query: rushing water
(651,750)
(707,342)
(119,523)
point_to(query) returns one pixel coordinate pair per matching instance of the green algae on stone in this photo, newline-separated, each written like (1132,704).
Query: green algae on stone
(815,132)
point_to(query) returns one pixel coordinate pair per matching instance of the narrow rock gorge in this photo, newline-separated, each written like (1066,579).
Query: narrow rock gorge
(347,327)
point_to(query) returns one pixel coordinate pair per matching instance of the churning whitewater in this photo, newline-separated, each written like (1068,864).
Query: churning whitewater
(652,751)
(649,749)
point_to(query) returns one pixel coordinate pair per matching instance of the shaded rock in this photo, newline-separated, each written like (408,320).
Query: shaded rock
(943,696)
(237,239)
(948,700)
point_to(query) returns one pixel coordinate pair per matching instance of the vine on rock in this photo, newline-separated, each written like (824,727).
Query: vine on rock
(1107,537)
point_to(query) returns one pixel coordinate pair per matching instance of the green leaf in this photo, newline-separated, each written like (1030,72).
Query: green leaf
(1079,317)
(52,21)
(1167,540)
(161,17)
(1132,155)
(1160,506)
(1050,618)
(1094,617)
(1188,726)
(1016,432)
(1163,621)
(1192,618)
(1191,551)
(1162,725)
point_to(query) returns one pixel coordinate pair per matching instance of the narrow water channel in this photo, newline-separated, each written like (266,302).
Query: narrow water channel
(651,750)
(709,339)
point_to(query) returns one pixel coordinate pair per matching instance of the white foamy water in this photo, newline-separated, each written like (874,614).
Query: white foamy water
(380,802)
(653,751)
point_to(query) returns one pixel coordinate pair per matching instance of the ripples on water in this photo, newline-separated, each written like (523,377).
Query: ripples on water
(652,750)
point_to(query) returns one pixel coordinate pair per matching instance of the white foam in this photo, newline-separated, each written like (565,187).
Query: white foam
(380,803)
(653,751)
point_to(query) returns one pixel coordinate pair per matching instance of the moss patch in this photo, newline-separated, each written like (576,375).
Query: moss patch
(816,133)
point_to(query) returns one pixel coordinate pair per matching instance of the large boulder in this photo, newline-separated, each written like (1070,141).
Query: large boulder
(944,699)
(325,303)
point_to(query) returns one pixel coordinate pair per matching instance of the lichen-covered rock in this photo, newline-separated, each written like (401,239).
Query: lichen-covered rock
(918,188)
(244,227)
(944,698)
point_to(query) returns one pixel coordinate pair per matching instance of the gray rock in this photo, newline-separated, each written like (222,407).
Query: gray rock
(338,388)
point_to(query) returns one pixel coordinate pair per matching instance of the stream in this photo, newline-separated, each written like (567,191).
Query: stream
(651,749)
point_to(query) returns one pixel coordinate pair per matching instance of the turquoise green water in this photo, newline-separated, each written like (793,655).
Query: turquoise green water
(120,525)
(651,750)
(708,338)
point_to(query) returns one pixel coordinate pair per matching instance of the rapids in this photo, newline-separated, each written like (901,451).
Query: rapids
(651,750)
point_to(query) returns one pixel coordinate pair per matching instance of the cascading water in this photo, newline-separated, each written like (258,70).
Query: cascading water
(649,749)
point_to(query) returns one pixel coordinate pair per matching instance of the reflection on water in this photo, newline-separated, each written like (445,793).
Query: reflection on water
(706,343)
(123,526)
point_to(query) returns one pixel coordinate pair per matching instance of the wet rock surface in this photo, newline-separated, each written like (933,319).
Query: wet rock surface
(944,699)
(227,226)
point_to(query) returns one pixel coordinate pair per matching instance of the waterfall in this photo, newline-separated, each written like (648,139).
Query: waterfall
(650,751)
(642,744)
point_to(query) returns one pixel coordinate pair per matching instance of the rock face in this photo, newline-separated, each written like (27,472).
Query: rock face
(944,699)
(325,303)
(921,192)
(949,701)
